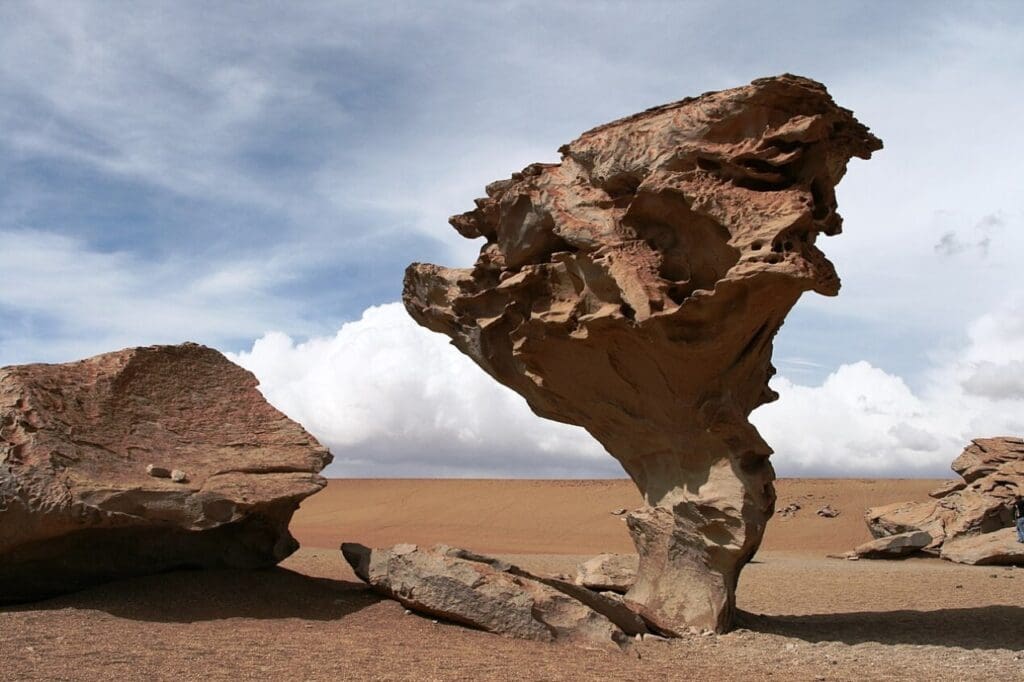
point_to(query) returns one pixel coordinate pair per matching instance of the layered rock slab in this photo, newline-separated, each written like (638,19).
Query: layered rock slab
(998,548)
(969,521)
(77,504)
(893,546)
(635,288)
(492,595)
(609,572)
(993,471)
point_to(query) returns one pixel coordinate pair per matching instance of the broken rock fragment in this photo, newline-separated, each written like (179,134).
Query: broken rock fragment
(635,288)
(893,546)
(612,572)
(78,503)
(492,595)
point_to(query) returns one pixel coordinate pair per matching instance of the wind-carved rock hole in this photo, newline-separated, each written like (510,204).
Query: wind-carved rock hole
(694,249)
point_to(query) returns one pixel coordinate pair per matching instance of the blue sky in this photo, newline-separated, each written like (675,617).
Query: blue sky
(256,177)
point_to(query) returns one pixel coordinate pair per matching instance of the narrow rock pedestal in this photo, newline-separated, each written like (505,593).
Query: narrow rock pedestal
(635,288)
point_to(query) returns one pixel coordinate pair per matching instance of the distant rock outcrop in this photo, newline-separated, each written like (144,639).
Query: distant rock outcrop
(893,546)
(635,289)
(89,453)
(492,595)
(964,513)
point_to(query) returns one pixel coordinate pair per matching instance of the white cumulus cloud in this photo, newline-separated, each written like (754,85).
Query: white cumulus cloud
(863,420)
(392,399)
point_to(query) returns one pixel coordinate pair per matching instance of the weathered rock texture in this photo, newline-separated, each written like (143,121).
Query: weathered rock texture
(612,572)
(998,548)
(893,546)
(635,289)
(981,504)
(77,504)
(492,595)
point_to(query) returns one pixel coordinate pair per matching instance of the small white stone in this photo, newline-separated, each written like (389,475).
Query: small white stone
(179,476)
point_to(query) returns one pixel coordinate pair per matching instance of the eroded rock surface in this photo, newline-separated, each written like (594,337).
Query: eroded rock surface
(635,288)
(994,477)
(492,595)
(612,572)
(969,521)
(893,546)
(81,444)
(998,548)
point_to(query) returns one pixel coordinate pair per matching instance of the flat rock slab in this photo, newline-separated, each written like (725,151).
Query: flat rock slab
(140,461)
(611,572)
(894,546)
(492,595)
(999,548)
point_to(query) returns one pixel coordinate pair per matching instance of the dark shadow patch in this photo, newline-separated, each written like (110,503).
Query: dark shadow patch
(188,596)
(983,627)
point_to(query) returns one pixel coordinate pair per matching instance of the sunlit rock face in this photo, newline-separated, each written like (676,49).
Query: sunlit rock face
(635,288)
(141,461)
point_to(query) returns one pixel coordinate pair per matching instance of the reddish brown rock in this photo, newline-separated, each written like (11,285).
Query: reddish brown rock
(608,572)
(893,546)
(998,548)
(947,488)
(492,595)
(987,456)
(81,445)
(994,468)
(635,289)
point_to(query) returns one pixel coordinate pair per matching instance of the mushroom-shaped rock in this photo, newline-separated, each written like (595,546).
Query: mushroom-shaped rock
(492,595)
(635,289)
(87,451)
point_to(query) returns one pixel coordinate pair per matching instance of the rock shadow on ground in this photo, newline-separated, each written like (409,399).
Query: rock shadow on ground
(189,596)
(983,627)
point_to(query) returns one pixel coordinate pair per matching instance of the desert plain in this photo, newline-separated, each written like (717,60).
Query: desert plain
(805,616)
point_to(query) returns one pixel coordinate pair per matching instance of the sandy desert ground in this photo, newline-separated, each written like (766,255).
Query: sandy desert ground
(807,617)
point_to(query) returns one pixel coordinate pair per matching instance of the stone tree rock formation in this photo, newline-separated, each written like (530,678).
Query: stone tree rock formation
(140,461)
(635,288)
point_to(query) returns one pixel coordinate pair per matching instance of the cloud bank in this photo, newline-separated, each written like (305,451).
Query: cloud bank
(392,399)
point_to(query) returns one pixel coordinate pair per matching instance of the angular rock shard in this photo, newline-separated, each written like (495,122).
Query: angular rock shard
(611,572)
(81,444)
(635,289)
(492,595)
